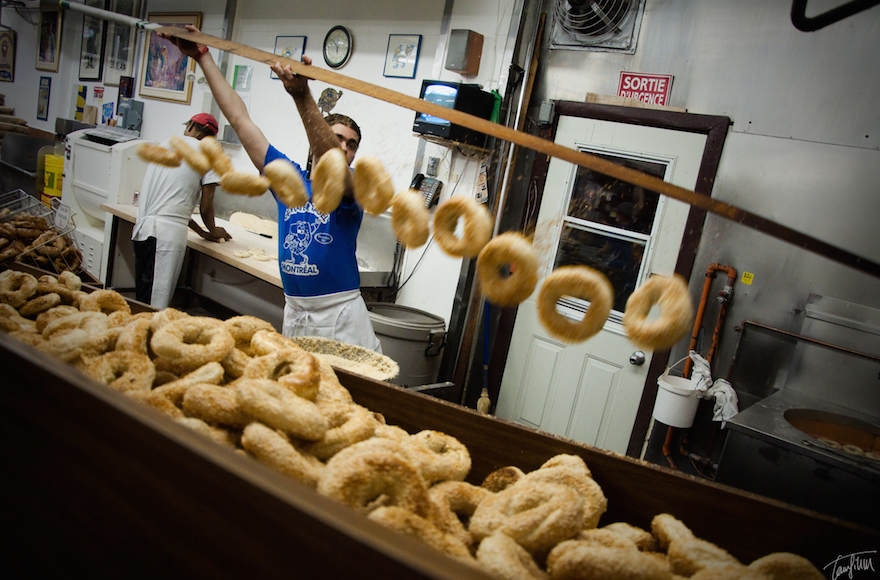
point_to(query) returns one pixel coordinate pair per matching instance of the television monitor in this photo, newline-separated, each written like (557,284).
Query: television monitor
(467,98)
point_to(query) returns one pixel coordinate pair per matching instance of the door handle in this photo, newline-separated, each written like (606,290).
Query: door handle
(637,358)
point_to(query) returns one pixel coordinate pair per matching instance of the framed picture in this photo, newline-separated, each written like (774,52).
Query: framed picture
(121,41)
(402,56)
(43,98)
(91,54)
(49,46)
(7,55)
(164,67)
(292,47)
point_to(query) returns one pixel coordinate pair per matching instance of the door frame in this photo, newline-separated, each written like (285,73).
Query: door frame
(714,127)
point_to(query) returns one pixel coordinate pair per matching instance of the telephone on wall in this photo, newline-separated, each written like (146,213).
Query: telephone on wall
(428,187)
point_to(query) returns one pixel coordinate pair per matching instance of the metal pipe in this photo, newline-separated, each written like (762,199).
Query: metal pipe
(111,16)
(806,23)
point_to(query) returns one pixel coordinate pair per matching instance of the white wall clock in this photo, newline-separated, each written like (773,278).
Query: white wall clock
(337,46)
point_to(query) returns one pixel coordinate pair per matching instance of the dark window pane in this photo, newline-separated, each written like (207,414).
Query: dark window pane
(618,258)
(606,200)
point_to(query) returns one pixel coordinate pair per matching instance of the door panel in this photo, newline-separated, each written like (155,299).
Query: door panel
(593,390)
(542,366)
(599,381)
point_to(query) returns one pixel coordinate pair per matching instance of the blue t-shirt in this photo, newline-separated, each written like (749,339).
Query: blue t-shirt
(316,251)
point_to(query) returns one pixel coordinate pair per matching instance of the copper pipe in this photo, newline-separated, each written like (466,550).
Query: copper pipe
(711,272)
(667,447)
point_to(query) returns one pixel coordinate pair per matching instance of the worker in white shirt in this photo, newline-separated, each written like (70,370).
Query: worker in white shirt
(165,206)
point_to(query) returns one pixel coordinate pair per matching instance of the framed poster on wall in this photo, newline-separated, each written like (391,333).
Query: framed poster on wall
(7,55)
(91,54)
(49,44)
(121,42)
(164,67)
(43,98)
(292,47)
(402,56)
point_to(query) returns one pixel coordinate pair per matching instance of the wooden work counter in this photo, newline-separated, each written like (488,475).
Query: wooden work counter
(242,241)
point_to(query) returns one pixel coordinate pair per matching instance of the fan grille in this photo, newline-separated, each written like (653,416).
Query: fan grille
(598,24)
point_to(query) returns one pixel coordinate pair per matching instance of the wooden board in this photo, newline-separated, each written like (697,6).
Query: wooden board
(545,146)
(98,483)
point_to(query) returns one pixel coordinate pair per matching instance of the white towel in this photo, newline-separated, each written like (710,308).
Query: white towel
(726,401)
(701,372)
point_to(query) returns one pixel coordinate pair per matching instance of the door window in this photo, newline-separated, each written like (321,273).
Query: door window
(608,226)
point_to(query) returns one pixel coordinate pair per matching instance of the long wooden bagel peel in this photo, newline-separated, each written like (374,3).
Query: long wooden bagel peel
(540,145)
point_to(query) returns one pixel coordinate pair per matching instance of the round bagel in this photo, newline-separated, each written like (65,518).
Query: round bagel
(410,218)
(330,180)
(455,503)
(349,424)
(44,318)
(135,336)
(217,157)
(676,313)
(578,282)
(39,304)
(512,249)
(786,566)
(195,159)
(571,471)
(154,153)
(294,368)
(373,188)
(278,408)
(368,479)
(122,370)
(439,457)
(192,341)
(405,521)
(538,515)
(502,478)
(244,183)
(502,557)
(16,288)
(477,226)
(276,451)
(105,301)
(287,183)
(214,405)
(572,560)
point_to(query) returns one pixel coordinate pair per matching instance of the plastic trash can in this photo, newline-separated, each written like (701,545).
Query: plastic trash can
(414,339)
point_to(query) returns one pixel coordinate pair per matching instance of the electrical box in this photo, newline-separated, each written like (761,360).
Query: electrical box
(464,52)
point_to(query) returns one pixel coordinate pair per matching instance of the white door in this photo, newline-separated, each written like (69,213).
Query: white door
(590,392)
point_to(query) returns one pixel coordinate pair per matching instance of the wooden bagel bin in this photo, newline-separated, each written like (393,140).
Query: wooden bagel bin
(98,483)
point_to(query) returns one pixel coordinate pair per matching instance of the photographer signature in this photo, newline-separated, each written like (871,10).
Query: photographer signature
(848,564)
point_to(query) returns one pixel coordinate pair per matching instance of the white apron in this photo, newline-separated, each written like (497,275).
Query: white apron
(170,250)
(342,316)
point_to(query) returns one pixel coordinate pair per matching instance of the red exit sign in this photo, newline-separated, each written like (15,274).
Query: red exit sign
(653,89)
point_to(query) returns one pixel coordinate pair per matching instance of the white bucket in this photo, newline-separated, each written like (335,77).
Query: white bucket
(677,400)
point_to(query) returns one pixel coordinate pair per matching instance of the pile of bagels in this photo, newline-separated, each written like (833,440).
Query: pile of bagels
(248,388)
(30,238)
(507,265)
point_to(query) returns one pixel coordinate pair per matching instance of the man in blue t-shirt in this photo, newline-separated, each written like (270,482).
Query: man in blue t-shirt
(316,251)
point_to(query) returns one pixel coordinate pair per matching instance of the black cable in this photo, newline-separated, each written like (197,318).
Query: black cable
(416,267)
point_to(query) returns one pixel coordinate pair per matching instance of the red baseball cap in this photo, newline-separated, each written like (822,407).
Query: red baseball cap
(207,120)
